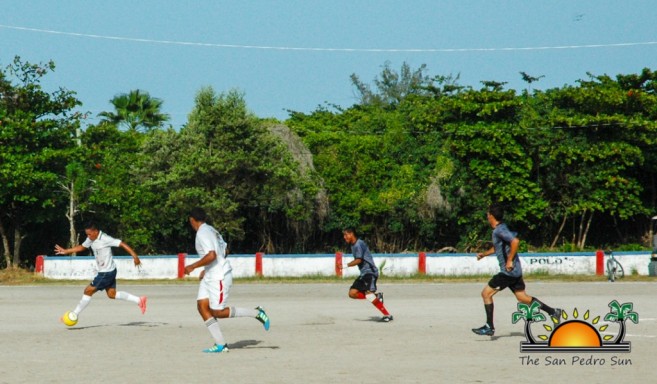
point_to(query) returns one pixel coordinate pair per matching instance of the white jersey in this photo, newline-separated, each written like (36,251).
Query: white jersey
(102,250)
(209,239)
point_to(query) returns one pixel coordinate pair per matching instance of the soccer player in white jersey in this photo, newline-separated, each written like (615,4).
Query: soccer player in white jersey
(101,245)
(216,281)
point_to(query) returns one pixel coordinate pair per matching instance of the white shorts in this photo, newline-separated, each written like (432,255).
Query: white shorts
(216,291)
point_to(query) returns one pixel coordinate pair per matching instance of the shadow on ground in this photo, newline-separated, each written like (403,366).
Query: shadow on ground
(249,344)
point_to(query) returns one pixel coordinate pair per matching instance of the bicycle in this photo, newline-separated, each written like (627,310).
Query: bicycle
(614,267)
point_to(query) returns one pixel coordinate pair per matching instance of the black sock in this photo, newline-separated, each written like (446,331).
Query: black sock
(489,315)
(544,307)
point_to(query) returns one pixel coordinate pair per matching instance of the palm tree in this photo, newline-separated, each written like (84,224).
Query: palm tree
(619,314)
(529,313)
(136,109)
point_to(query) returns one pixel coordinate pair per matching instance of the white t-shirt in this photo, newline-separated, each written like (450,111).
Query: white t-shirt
(102,250)
(209,239)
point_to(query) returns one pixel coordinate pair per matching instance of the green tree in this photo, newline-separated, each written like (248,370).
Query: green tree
(391,86)
(583,155)
(593,147)
(136,110)
(36,137)
(380,173)
(116,195)
(228,161)
(489,147)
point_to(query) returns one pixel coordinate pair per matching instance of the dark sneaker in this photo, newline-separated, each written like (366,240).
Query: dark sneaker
(484,331)
(556,318)
(262,317)
(380,297)
(387,319)
(217,349)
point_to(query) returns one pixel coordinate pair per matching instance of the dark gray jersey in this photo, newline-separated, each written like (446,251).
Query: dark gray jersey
(502,238)
(366,266)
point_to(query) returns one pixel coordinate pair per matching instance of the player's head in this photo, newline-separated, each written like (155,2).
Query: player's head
(349,235)
(197,216)
(497,211)
(91,230)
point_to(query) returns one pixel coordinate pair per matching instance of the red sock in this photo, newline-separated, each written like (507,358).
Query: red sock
(379,305)
(360,295)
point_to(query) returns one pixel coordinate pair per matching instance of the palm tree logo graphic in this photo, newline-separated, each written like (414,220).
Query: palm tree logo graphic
(576,335)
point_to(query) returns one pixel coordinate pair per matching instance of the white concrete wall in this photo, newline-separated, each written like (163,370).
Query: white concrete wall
(166,266)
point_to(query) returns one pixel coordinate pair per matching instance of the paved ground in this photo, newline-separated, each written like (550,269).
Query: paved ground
(317,335)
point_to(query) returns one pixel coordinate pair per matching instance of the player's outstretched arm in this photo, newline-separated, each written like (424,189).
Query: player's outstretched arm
(481,255)
(59,250)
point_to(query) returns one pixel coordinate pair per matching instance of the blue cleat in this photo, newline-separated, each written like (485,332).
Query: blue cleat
(484,331)
(262,317)
(217,349)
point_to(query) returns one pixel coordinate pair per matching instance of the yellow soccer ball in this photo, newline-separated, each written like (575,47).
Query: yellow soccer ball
(70,318)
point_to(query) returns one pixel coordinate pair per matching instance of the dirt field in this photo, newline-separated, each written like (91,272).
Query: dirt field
(317,335)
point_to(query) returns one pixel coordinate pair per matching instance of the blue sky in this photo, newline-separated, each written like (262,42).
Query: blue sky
(298,55)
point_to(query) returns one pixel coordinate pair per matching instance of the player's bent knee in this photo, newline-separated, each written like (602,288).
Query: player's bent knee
(488,293)
(203,306)
(221,313)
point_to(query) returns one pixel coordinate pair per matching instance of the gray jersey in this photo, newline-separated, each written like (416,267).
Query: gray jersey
(366,266)
(502,238)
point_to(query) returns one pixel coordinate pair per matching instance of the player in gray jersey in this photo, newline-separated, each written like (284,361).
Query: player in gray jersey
(364,287)
(505,248)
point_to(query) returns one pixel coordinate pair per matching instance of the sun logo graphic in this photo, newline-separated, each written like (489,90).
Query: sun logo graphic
(575,335)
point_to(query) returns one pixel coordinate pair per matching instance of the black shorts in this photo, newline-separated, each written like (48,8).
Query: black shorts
(104,280)
(501,281)
(365,283)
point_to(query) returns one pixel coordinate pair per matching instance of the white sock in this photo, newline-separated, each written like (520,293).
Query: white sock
(243,312)
(370,297)
(82,304)
(215,331)
(127,297)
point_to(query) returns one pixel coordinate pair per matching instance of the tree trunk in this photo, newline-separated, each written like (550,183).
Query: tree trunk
(580,230)
(72,207)
(653,188)
(5,245)
(621,237)
(18,238)
(556,238)
(586,231)
(583,231)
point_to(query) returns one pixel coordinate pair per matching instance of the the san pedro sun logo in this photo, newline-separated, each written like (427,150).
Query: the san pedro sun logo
(575,335)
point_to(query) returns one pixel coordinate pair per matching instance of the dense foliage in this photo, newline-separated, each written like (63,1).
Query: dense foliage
(413,166)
